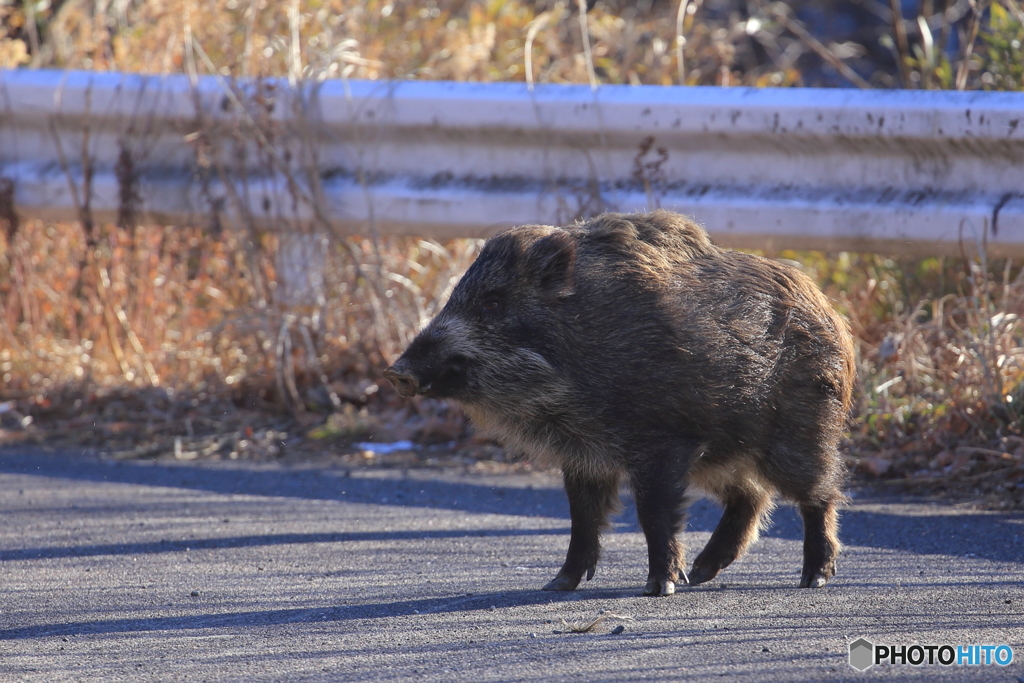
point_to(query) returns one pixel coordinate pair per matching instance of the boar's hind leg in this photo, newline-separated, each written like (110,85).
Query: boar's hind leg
(738,528)
(591,501)
(821,543)
(659,498)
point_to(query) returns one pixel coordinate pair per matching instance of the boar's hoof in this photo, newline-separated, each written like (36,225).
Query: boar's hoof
(567,581)
(563,583)
(816,581)
(656,587)
(701,573)
(816,578)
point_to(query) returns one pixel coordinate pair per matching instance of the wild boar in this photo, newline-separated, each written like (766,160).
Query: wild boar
(631,347)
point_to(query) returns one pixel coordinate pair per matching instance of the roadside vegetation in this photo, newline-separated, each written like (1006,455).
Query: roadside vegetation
(173,341)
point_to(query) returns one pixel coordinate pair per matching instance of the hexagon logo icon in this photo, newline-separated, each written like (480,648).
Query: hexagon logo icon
(862,654)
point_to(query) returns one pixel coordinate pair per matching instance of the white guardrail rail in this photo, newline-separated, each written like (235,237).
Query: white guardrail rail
(884,171)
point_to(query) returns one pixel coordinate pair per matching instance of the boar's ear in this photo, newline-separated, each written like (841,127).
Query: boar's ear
(551,262)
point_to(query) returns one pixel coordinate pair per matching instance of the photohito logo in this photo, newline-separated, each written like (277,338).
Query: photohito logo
(864,654)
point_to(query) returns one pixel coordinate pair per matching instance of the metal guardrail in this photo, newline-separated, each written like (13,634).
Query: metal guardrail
(885,171)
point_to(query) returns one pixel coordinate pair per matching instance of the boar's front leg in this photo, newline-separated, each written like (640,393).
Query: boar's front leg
(591,500)
(821,542)
(659,494)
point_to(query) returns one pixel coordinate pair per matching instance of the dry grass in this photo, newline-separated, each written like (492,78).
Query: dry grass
(174,340)
(451,39)
(156,327)
(591,625)
(175,306)
(719,42)
(941,365)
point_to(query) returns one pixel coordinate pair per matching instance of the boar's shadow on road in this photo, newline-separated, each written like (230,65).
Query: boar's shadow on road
(992,536)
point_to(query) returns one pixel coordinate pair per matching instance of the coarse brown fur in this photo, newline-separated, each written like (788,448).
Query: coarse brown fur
(632,347)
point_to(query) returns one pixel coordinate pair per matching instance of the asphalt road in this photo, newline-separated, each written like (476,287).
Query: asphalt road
(203,572)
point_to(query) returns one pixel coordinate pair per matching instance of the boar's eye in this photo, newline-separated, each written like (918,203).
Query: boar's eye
(492,306)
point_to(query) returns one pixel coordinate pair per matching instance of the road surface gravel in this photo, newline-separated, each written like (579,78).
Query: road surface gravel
(211,571)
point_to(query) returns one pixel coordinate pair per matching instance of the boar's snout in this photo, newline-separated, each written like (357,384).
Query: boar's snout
(430,367)
(405,382)
(441,380)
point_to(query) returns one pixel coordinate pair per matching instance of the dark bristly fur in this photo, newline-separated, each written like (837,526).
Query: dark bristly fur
(630,346)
